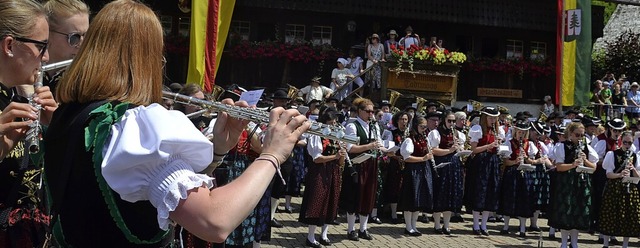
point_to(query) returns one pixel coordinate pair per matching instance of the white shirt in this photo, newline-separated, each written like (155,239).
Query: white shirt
(314,93)
(314,146)
(531,152)
(154,154)
(609,162)
(434,138)
(475,134)
(559,154)
(351,129)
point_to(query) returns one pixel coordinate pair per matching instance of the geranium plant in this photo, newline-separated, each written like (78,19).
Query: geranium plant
(432,55)
(299,52)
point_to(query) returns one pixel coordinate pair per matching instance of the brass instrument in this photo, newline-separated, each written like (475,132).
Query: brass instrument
(393,98)
(259,116)
(292,92)
(502,108)
(216,93)
(421,105)
(477,106)
(543,117)
(441,105)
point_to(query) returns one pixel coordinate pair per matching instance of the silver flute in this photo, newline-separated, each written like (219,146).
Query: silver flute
(34,134)
(259,116)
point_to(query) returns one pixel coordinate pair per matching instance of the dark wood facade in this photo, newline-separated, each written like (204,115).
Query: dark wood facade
(479,28)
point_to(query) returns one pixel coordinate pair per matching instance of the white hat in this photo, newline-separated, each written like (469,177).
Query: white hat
(342,61)
(393,32)
(634,84)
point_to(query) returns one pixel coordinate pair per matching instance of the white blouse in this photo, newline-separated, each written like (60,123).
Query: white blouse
(407,148)
(475,133)
(314,146)
(609,162)
(434,138)
(153,155)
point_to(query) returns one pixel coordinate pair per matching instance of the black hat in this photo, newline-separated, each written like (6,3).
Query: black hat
(233,91)
(561,129)
(490,111)
(432,104)
(280,94)
(385,103)
(473,115)
(313,101)
(332,98)
(522,125)
(175,87)
(546,128)
(572,111)
(455,109)
(538,126)
(595,120)
(617,124)
(587,122)
(434,114)
(411,106)
(527,114)
(551,116)
(558,115)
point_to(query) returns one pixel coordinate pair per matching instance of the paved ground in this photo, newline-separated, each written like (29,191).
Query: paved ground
(293,234)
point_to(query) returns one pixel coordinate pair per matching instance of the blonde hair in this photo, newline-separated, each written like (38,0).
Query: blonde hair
(19,17)
(62,9)
(573,126)
(361,103)
(485,127)
(120,58)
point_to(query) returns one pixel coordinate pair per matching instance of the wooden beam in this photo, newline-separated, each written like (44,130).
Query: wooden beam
(627,2)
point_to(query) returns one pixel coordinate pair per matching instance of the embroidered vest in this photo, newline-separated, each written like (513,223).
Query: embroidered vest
(570,151)
(488,138)
(419,146)
(515,148)
(446,138)
(619,158)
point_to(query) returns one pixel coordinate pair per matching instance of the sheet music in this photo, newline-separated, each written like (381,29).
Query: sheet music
(363,157)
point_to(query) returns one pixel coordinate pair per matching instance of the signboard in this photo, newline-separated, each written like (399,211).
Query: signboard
(493,92)
(421,82)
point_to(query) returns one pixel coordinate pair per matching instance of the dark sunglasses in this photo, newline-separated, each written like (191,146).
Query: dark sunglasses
(627,142)
(616,131)
(451,121)
(423,126)
(578,135)
(368,111)
(73,39)
(40,45)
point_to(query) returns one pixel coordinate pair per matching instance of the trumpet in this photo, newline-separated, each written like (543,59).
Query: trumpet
(259,116)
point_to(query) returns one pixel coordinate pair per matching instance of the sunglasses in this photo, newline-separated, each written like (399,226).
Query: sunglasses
(368,111)
(616,131)
(422,126)
(40,45)
(451,121)
(73,39)
(627,142)
(578,135)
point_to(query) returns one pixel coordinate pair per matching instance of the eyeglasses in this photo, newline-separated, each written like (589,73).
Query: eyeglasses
(40,45)
(73,39)
(368,111)
(627,142)
(451,121)
(616,131)
(433,119)
(422,126)
(578,135)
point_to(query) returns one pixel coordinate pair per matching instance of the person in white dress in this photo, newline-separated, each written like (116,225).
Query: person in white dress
(138,163)
(340,76)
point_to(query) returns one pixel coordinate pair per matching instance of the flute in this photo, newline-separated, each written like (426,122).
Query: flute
(261,117)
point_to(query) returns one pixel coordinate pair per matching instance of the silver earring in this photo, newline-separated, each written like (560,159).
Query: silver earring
(10,54)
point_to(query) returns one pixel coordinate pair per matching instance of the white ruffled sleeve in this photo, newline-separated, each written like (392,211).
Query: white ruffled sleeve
(475,134)
(314,146)
(608,164)
(433,138)
(153,154)
(407,148)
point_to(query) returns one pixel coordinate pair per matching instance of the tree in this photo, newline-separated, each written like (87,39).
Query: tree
(620,56)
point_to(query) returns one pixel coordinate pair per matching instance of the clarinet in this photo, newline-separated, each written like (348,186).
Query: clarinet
(347,162)
(625,164)
(432,160)
(521,155)
(578,150)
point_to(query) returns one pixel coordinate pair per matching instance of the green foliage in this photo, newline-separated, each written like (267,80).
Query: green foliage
(609,8)
(619,56)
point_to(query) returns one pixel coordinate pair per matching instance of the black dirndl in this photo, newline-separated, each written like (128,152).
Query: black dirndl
(482,185)
(620,214)
(448,186)
(516,199)
(416,193)
(540,193)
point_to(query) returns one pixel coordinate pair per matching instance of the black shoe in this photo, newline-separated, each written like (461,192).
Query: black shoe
(605,246)
(375,219)
(522,235)
(614,241)
(325,242)
(352,236)
(395,221)
(484,232)
(314,244)
(476,232)
(492,219)
(504,232)
(499,219)
(446,231)
(457,219)
(437,231)
(364,235)
(423,219)
(413,234)
(600,241)
(335,222)
(534,229)
(275,223)
(552,236)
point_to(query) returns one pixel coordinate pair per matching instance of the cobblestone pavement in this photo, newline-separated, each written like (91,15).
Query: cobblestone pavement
(293,234)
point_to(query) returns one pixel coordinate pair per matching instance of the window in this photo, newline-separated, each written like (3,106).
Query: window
(321,35)
(243,28)
(294,33)
(514,49)
(167,24)
(184,25)
(538,50)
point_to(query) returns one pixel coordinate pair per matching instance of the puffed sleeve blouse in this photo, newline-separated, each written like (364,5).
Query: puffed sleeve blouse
(154,154)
